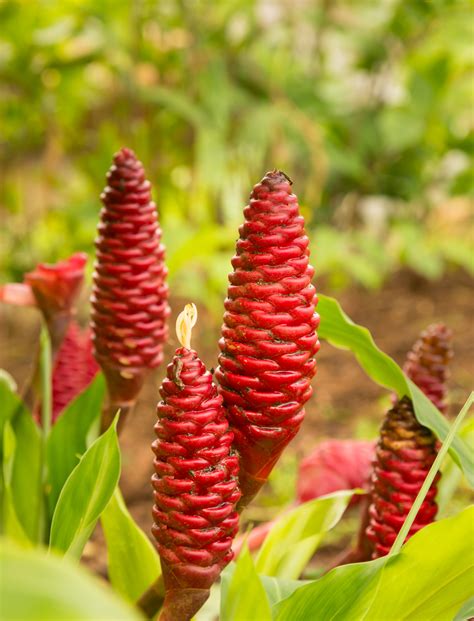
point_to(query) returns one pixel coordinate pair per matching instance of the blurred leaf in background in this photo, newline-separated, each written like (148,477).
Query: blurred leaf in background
(368,107)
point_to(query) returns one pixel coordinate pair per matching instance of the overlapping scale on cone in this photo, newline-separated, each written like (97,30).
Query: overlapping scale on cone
(406,449)
(404,455)
(269,334)
(195,485)
(427,363)
(130,295)
(74,368)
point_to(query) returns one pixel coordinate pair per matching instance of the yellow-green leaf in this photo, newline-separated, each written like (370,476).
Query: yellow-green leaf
(339,330)
(85,494)
(133,561)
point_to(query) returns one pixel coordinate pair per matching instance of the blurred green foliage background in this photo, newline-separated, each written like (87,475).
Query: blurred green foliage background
(366,105)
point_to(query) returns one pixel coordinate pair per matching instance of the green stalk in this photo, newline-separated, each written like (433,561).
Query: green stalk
(46,413)
(46,388)
(407,524)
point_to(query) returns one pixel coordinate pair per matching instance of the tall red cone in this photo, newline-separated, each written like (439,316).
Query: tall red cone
(130,294)
(269,334)
(195,481)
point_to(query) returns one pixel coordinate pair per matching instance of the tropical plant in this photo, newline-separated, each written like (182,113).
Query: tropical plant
(60,477)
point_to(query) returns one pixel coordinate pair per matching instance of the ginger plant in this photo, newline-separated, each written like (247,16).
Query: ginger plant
(269,337)
(195,482)
(205,429)
(130,295)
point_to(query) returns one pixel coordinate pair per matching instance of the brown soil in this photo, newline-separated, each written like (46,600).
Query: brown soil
(346,403)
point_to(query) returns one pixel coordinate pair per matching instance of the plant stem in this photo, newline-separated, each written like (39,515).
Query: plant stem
(46,402)
(152,599)
(46,397)
(407,524)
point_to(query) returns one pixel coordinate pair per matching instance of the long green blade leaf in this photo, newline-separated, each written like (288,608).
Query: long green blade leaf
(452,475)
(67,440)
(242,594)
(85,494)
(466,611)
(42,587)
(9,399)
(295,537)
(133,561)
(280,588)
(23,474)
(339,330)
(430,579)
(10,524)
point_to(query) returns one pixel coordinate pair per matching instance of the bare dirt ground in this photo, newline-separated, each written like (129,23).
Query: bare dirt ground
(345,404)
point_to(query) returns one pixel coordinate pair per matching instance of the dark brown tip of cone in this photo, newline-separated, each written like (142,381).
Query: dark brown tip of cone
(275,177)
(404,404)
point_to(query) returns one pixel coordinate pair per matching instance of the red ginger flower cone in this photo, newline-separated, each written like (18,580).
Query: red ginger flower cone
(130,295)
(427,363)
(269,334)
(55,288)
(52,287)
(406,451)
(195,482)
(404,455)
(74,368)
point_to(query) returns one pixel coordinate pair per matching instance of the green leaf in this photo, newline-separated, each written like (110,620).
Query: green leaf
(21,475)
(85,494)
(452,476)
(6,378)
(337,598)
(43,587)
(26,481)
(466,612)
(133,561)
(416,584)
(67,440)
(9,446)
(337,328)
(10,401)
(10,524)
(242,594)
(280,588)
(295,537)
